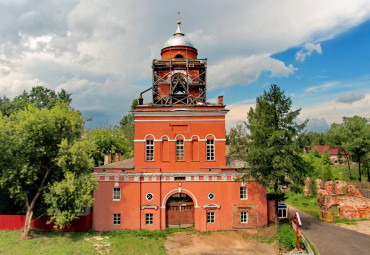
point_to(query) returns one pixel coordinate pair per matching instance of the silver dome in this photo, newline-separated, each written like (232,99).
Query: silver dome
(178,40)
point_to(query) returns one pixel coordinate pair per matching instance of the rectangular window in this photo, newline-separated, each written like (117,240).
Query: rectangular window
(243,193)
(282,213)
(180,150)
(179,178)
(149,219)
(210,150)
(210,217)
(149,150)
(116,218)
(243,217)
(116,193)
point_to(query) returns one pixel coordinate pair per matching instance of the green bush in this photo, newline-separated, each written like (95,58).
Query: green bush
(287,236)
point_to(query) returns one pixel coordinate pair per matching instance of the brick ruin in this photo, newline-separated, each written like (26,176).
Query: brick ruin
(350,207)
(350,201)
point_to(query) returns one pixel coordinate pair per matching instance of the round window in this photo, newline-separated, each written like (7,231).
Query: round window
(149,196)
(211,196)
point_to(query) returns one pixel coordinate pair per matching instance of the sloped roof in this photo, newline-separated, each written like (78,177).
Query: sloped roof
(123,164)
(321,148)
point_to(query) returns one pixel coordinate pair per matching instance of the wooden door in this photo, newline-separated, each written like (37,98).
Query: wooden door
(180,214)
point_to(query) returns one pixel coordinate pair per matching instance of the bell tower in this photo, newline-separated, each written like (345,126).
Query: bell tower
(179,77)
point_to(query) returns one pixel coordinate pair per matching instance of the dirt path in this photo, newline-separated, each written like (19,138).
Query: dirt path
(360,226)
(330,239)
(229,242)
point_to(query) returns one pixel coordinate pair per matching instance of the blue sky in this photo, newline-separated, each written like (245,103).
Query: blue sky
(317,51)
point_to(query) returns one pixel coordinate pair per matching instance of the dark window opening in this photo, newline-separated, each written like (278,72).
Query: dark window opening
(179,56)
(180,178)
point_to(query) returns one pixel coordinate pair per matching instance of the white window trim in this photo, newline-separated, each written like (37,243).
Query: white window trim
(246,193)
(179,150)
(213,150)
(146,196)
(243,218)
(209,194)
(116,199)
(147,150)
(116,218)
(286,213)
(150,219)
(211,216)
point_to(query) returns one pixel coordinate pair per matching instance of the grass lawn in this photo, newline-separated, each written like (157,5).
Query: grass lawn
(306,204)
(117,242)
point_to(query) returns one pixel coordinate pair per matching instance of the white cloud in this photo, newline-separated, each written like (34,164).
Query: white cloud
(308,49)
(105,48)
(350,97)
(320,88)
(246,70)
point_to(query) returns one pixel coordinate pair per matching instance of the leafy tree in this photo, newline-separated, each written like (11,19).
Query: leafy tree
(41,97)
(38,147)
(237,139)
(108,140)
(127,124)
(353,135)
(274,153)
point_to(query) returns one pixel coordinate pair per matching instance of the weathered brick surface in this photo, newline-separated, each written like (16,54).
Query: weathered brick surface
(352,191)
(329,187)
(350,207)
(340,187)
(252,216)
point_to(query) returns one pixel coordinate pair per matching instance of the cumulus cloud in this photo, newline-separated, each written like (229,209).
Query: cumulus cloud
(244,71)
(102,50)
(319,125)
(350,97)
(308,49)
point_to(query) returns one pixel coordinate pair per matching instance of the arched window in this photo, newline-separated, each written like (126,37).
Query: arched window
(180,149)
(149,149)
(179,56)
(210,148)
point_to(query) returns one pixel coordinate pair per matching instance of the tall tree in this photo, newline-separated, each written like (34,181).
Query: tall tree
(274,153)
(33,147)
(353,135)
(237,140)
(127,124)
(108,140)
(41,97)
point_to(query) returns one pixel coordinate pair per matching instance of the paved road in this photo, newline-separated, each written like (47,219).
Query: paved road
(330,239)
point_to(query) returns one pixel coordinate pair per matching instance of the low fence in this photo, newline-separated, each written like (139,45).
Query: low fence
(360,185)
(328,216)
(16,222)
(306,244)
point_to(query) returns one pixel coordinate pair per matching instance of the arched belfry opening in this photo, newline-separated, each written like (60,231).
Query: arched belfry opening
(180,211)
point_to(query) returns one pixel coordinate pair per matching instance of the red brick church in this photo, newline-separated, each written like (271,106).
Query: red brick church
(180,175)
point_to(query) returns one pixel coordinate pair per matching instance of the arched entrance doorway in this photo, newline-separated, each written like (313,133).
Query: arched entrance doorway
(180,211)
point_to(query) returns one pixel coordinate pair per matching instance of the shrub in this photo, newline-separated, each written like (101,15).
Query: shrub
(287,236)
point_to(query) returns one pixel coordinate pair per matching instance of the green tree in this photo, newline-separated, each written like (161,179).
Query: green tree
(108,140)
(353,135)
(274,153)
(237,140)
(41,97)
(127,124)
(33,147)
